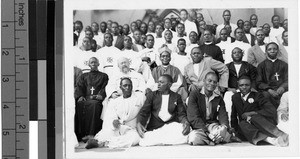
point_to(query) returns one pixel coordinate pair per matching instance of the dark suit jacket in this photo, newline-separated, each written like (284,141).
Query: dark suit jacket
(245,70)
(152,107)
(120,42)
(251,42)
(196,111)
(260,104)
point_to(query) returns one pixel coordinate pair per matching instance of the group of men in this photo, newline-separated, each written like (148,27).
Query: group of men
(195,84)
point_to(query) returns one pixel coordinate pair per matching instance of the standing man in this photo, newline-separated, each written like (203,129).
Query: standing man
(276,29)
(189,26)
(239,36)
(272,75)
(180,59)
(168,122)
(254,117)
(193,42)
(118,40)
(253,22)
(209,48)
(248,38)
(150,54)
(207,114)
(195,72)
(224,42)
(89,95)
(256,53)
(226,17)
(108,55)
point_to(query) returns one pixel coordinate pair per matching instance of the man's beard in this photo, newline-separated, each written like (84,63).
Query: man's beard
(125,69)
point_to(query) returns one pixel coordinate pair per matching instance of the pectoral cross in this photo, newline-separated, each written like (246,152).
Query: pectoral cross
(276,76)
(92,90)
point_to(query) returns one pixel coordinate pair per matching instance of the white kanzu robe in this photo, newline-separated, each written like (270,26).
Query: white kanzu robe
(125,110)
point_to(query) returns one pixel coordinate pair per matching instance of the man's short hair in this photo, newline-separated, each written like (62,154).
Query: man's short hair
(270,44)
(115,23)
(166,19)
(283,33)
(212,73)
(184,10)
(149,35)
(226,11)
(78,22)
(168,77)
(208,31)
(222,30)
(258,31)
(252,16)
(266,24)
(193,32)
(237,29)
(94,58)
(237,48)
(245,77)
(275,16)
(181,40)
(108,34)
(125,78)
(196,47)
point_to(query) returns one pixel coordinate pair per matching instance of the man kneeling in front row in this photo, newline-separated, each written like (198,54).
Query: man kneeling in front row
(254,116)
(207,114)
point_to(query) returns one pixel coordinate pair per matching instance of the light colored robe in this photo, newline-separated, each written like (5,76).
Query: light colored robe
(125,110)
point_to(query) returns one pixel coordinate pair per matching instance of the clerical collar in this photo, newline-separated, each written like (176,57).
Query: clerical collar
(208,43)
(273,60)
(165,66)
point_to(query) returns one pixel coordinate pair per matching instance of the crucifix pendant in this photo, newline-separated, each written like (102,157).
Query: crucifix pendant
(92,90)
(276,76)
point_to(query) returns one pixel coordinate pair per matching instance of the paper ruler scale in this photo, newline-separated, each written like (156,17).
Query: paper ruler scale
(15,79)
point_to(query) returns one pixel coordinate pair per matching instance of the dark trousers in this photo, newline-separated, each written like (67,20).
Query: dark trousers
(87,118)
(274,100)
(259,129)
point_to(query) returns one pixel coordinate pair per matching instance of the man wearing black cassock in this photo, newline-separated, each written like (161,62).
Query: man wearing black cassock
(89,95)
(272,75)
(254,117)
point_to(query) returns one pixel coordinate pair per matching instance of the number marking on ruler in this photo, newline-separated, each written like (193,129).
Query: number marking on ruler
(15,79)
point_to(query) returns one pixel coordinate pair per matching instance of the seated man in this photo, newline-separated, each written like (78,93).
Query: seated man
(207,115)
(179,85)
(272,75)
(196,71)
(168,123)
(119,125)
(254,117)
(139,83)
(89,94)
(283,113)
(237,68)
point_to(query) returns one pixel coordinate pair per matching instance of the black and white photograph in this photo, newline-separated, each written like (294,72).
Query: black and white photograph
(180,79)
